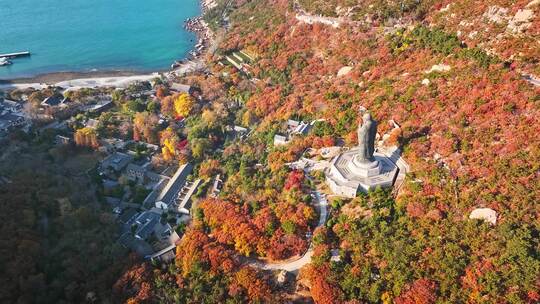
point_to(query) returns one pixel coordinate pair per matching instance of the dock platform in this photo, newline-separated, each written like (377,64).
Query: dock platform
(14,55)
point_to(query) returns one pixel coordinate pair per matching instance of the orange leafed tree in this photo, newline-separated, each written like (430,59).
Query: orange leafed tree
(86,137)
(197,247)
(183,105)
(161,92)
(231,225)
(209,168)
(168,139)
(144,127)
(322,290)
(134,284)
(167,106)
(257,289)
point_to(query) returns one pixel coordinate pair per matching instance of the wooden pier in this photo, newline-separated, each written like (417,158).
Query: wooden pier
(14,55)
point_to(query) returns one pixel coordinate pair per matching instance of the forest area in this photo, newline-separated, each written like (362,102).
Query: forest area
(58,238)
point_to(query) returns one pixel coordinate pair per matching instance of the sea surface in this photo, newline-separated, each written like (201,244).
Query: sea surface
(94,35)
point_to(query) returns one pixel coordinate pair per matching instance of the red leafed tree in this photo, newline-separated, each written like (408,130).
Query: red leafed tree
(294,180)
(265,218)
(231,225)
(219,257)
(322,290)
(283,246)
(325,141)
(422,291)
(134,286)
(415,209)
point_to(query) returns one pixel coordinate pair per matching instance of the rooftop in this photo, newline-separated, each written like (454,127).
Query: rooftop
(102,104)
(181,88)
(10,103)
(280,139)
(169,193)
(10,117)
(92,123)
(146,223)
(54,100)
(117,161)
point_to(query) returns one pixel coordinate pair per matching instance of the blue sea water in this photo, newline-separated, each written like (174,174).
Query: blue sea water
(89,35)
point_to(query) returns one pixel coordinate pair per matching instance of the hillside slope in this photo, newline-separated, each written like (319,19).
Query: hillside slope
(451,75)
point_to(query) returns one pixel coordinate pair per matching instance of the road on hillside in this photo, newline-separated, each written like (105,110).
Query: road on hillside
(293,266)
(532,80)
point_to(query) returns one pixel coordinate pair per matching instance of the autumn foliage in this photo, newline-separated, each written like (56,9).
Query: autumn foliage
(178,105)
(144,127)
(323,290)
(135,284)
(466,131)
(421,291)
(201,263)
(86,137)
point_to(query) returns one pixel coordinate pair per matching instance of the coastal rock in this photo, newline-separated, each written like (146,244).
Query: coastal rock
(516,24)
(209,4)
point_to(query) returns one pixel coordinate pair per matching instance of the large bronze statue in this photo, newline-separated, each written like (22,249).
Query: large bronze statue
(366,138)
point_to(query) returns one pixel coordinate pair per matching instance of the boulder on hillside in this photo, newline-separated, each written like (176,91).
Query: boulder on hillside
(521,21)
(344,71)
(439,68)
(496,14)
(533,4)
(282,277)
(486,214)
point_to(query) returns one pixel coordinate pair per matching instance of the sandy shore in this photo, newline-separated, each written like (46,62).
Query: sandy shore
(55,77)
(115,82)
(76,80)
(116,79)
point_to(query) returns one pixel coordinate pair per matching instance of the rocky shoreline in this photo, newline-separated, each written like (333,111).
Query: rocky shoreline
(203,33)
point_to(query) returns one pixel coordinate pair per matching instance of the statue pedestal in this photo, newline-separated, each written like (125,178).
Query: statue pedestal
(364,168)
(347,175)
(350,172)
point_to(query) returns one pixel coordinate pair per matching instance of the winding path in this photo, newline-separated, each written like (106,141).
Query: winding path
(532,80)
(295,265)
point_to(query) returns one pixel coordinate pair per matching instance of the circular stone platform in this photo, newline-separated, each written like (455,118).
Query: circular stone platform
(347,176)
